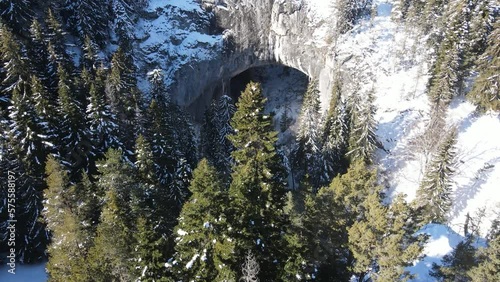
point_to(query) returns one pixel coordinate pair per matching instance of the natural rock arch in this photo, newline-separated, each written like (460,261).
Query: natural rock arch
(261,32)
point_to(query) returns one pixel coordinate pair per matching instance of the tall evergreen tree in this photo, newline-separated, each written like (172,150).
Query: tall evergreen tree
(38,54)
(223,114)
(111,257)
(75,146)
(15,62)
(486,90)
(16,13)
(104,131)
(383,241)
(434,193)
(69,240)
(454,266)
(328,217)
(363,139)
(203,246)
(215,145)
(335,138)
(488,258)
(257,190)
(56,46)
(88,18)
(123,20)
(307,155)
(120,88)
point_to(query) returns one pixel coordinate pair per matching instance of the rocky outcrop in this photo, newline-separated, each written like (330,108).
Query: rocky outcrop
(258,32)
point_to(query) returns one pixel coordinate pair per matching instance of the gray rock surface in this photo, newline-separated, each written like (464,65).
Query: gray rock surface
(256,33)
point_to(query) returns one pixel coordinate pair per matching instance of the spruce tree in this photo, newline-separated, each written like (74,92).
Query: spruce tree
(257,190)
(16,70)
(16,13)
(486,90)
(120,86)
(90,58)
(330,214)
(88,18)
(383,241)
(307,154)
(69,241)
(111,256)
(38,54)
(363,139)
(488,258)
(455,266)
(75,146)
(158,205)
(215,145)
(209,135)
(56,45)
(156,217)
(123,20)
(203,246)
(223,114)
(434,193)
(102,123)
(335,138)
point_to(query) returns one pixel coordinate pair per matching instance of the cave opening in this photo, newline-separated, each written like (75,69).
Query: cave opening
(283,87)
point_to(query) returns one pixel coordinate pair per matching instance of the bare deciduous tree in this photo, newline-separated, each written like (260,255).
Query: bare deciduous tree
(250,268)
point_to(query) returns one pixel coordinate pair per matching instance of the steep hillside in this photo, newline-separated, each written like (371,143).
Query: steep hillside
(226,139)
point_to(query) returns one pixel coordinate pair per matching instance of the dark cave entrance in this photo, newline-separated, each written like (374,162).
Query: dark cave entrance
(284,88)
(279,83)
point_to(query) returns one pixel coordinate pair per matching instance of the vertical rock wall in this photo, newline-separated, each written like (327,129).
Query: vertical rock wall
(259,32)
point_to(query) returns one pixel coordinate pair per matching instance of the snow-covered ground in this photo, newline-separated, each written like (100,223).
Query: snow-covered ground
(385,56)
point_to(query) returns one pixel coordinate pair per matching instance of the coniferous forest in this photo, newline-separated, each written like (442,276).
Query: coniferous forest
(117,183)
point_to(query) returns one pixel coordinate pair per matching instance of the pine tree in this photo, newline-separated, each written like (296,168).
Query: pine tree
(480,27)
(434,194)
(363,139)
(307,155)
(215,145)
(486,91)
(156,202)
(156,218)
(257,191)
(346,15)
(203,246)
(26,133)
(149,253)
(383,241)
(26,151)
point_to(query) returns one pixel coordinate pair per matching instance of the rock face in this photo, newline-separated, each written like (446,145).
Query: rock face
(256,33)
